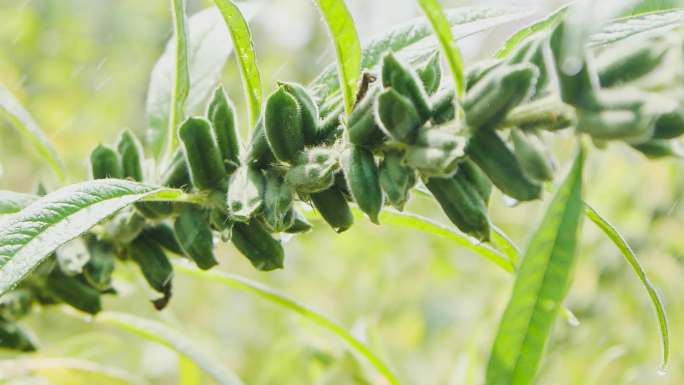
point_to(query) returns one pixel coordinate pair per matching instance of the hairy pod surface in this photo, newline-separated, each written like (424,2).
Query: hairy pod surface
(362,176)
(330,128)
(98,271)
(669,125)
(105,163)
(155,210)
(278,198)
(125,226)
(532,155)
(259,154)
(153,262)
(362,127)
(16,304)
(74,291)
(496,160)
(436,153)
(284,125)
(131,153)
(333,207)
(309,110)
(202,154)
(398,76)
(164,235)
(659,148)
(627,62)
(177,174)
(299,224)
(443,108)
(397,116)
(14,337)
(479,70)
(396,179)
(244,197)
(221,114)
(254,241)
(462,204)
(470,171)
(430,74)
(193,232)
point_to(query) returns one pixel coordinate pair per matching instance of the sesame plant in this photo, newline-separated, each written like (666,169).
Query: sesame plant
(384,123)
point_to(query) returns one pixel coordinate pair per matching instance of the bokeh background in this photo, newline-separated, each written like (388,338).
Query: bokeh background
(427,307)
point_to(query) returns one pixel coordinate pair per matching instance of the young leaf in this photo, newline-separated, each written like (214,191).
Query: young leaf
(440,23)
(468,20)
(30,235)
(11,202)
(310,314)
(347,46)
(246,57)
(541,284)
(545,23)
(626,27)
(158,332)
(13,111)
(619,241)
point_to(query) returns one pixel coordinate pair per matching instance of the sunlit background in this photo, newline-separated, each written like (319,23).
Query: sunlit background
(427,307)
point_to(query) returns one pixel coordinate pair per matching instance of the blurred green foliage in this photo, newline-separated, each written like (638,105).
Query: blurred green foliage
(426,307)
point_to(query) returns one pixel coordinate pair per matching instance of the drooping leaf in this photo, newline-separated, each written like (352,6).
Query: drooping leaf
(158,332)
(540,25)
(619,241)
(644,23)
(307,312)
(30,235)
(465,21)
(434,12)
(13,111)
(347,46)
(11,202)
(208,46)
(245,54)
(541,284)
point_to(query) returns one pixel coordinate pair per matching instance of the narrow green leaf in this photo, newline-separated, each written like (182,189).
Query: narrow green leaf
(541,285)
(540,25)
(13,111)
(160,333)
(19,367)
(619,241)
(11,202)
(245,54)
(276,297)
(30,235)
(504,243)
(465,21)
(347,46)
(440,23)
(626,27)
(188,372)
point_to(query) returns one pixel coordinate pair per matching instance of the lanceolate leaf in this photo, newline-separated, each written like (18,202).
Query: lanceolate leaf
(181,77)
(626,27)
(464,21)
(310,314)
(11,202)
(543,280)
(631,258)
(11,109)
(531,29)
(246,57)
(440,23)
(347,46)
(162,334)
(33,233)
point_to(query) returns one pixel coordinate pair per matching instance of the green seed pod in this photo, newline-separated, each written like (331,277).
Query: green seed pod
(436,153)
(398,76)
(342,185)
(628,62)
(314,170)
(476,72)
(494,157)
(221,114)
(72,256)
(202,154)
(125,227)
(15,338)
(488,102)
(155,267)
(163,234)
(74,291)
(105,163)
(334,209)
(131,153)
(430,74)
(259,154)
(222,223)
(155,210)
(443,108)
(462,203)
(98,271)
(669,125)
(278,197)
(299,225)
(283,125)
(309,110)
(177,174)
(396,180)
(244,196)
(397,116)
(532,155)
(532,51)
(578,85)
(254,241)
(330,128)
(16,304)
(194,235)
(469,170)
(362,175)
(660,148)
(361,125)
(619,124)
